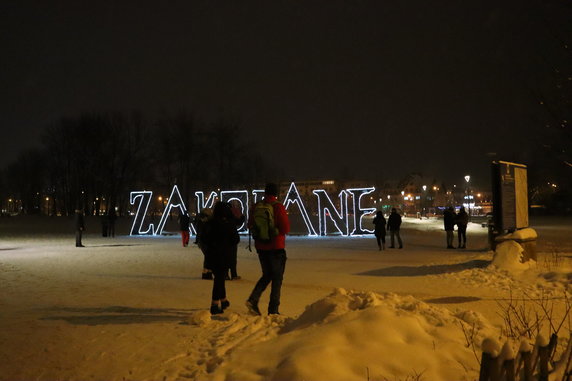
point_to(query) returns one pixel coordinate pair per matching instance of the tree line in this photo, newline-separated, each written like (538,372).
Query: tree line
(94,160)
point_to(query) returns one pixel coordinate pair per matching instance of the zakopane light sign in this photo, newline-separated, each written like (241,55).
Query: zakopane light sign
(338,219)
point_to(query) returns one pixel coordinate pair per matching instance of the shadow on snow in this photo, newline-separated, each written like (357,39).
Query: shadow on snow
(427,270)
(118,315)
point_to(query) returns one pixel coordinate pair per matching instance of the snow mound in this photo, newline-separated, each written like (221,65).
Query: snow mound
(349,335)
(508,256)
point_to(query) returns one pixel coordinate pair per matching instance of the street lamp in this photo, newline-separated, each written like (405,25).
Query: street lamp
(424,200)
(467,179)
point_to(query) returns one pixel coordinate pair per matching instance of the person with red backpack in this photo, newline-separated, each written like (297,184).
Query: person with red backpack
(269,225)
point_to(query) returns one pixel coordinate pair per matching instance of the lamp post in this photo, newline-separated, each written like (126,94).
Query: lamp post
(424,201)
(467,179)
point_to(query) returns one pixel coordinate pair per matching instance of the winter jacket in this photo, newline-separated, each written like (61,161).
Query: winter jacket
(394,221)
(219,238)
(280,221)
(449,219)
(462,219)
(379,223)
(200,220)
(79,224)
(184,221)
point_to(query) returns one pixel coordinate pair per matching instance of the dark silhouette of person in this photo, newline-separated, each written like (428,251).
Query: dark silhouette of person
(104,225)
(79,227)
(462,221)
(394,225)
(111,218)
(220,238)
(379,230)
(239,220)
(184,222)
(200,221)
(449,222)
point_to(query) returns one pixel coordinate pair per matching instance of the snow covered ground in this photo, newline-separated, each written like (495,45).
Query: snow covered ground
(135,308)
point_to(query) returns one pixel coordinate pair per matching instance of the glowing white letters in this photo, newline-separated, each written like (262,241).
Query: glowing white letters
(145,199)
(175,201)
(293,196)
(359,213)
(327,211)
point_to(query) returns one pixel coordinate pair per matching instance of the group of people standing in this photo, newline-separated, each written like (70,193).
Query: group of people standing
(393,224)
(218,238)
(461,219)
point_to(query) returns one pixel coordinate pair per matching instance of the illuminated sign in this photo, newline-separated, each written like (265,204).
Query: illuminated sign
(328,215)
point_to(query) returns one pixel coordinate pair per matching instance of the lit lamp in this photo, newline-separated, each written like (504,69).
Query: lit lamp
(424,201)
(467,179)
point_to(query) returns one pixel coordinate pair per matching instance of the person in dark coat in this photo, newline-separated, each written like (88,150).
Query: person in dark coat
(239,220)
(111,217)
(449,222)
(220,237)
(379,231)
(462,221)
(200,222)
(394,225)
(79,227)
(184,222)
(104,225)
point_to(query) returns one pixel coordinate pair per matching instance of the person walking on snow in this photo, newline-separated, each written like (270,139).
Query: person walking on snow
(394,225)
(200,221)
(239,220)
(449,222)
(462,221)
(184,221)
(271,252)
(220,238)
(379,231)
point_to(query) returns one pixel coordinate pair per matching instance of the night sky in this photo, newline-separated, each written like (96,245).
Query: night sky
(373,89)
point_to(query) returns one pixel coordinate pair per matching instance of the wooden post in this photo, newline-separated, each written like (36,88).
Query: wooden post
(526,365)
(508,367)
(543,356)
(490,368)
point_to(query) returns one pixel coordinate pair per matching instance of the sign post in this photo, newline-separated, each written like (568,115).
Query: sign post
(510,207)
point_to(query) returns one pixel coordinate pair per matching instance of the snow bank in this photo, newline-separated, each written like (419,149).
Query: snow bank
(344,336)
(508,256)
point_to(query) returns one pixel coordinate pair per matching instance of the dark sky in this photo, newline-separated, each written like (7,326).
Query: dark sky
(353,87)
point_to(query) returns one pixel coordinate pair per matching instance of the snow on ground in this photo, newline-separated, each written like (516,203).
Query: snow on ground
(135,308)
